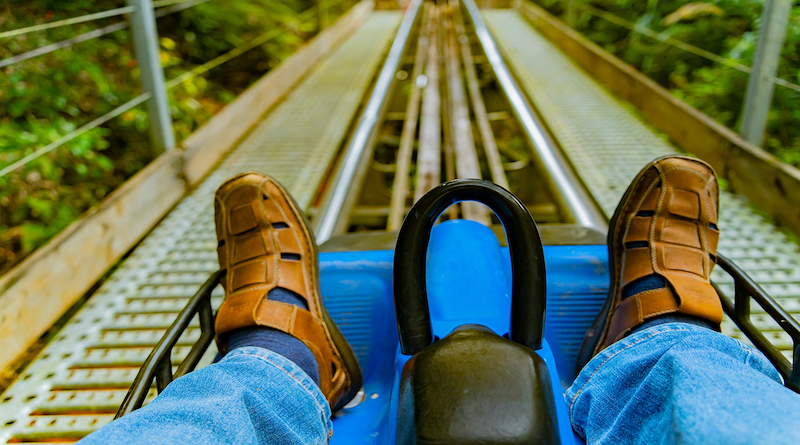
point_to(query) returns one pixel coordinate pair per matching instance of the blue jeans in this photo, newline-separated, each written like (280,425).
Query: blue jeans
(681,383)
(671,383)
(252,396)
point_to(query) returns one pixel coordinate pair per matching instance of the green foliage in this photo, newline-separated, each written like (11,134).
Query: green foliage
(46,97)
(728,28)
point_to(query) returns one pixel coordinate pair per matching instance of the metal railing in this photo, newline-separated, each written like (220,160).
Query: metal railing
(158,364)
(143,15)
(747,290)
(579,206)
(365,130)
(762,75)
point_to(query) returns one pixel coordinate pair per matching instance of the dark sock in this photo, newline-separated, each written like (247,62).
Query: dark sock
(276,341)
(657,282)
(649,282)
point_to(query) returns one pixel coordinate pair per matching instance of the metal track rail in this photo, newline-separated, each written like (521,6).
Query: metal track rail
(364,135)
(563,180)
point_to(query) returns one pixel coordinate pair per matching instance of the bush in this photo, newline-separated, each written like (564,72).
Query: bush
(728,28)
(46,97)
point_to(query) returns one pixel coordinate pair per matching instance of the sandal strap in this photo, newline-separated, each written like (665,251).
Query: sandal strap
(309,329)
(635,309)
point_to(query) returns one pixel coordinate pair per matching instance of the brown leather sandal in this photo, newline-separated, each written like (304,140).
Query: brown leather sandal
(664,225)
(265,243)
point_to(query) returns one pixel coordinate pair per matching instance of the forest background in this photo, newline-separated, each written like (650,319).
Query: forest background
(48,96)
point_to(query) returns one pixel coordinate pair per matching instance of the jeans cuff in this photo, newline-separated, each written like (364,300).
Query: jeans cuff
(590,369)
(638,336)
(292,370)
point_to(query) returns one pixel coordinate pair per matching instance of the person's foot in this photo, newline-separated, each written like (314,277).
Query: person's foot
(662,243)
(268,260)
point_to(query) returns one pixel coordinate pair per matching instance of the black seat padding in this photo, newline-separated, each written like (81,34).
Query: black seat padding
(475,387)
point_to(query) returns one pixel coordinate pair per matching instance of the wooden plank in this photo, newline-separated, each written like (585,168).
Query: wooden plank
(39,290)
(466,155)
(205,147)
(752,172)
(447,139)
(397,208)
(429,155)
(478,107)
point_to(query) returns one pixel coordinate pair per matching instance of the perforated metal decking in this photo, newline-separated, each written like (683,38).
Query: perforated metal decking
(78,382)
(608,143)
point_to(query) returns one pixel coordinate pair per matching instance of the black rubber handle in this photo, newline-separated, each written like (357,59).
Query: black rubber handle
(528,289)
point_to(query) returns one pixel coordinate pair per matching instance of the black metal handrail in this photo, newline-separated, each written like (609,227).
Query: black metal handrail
(528,288)
(158,365)
(746,290)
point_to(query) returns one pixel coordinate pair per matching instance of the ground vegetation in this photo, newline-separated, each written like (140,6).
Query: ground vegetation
(728,28)
(46,97)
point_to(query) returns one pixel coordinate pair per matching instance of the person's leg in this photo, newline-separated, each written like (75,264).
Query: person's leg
(285,364)
(653,368)
(252,396)
(682,383)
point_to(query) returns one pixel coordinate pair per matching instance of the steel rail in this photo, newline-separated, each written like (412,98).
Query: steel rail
(571,197)
(364,132)
(478,106)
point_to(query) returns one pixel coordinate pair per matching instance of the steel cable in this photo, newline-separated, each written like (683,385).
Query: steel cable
(175,7)
(67,22)
(75,133)
(643,30)
(84,18)
(199,70)
(238,51)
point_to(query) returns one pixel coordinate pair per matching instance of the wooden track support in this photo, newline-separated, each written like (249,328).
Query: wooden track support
(397,207)
(478,107)
(430,136)
(466,155)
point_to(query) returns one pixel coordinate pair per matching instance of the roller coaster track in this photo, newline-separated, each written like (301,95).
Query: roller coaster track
(403,103)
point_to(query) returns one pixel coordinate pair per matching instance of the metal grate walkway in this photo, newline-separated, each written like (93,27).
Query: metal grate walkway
(607,142)
(79,380)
